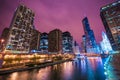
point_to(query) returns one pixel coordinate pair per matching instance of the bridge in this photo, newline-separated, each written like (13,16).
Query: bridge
(90,54)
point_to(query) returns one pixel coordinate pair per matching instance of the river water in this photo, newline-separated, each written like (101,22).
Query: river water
(85,69)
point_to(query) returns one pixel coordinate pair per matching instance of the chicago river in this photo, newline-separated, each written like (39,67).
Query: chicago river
(91,68)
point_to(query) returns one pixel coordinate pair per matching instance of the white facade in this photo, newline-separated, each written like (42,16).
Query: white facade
(105,44)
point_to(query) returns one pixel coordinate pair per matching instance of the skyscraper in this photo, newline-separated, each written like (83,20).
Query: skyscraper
(89,34)
(55,41)
(76,48)
(83,44)
(110,15)
(44,42)
(105,44)
(35,41)
(67,42)
(20,31)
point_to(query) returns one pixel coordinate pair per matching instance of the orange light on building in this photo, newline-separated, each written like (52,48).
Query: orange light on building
(2,40)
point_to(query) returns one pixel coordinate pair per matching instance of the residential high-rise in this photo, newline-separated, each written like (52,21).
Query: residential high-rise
(89,34)
(67,42)
(44,42)
(20,34)
(55,41)
(35,41)
(110,15)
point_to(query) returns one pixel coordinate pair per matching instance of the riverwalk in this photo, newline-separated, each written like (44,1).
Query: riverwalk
(23,68)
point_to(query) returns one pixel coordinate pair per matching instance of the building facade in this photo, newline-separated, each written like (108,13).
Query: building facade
(105,44)
(90,38)
(44,43)
(110,15)
(67,43)
(20,34)
(55,41)
(35,41)
(83,44)
(76,48)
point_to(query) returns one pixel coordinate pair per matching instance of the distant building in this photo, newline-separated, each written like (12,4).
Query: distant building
(67,43)
(44,43)
(83,44)
(105,44)
(110,15)
(90,38)
(55,41)
(35,41)
(76,48)
(20,34)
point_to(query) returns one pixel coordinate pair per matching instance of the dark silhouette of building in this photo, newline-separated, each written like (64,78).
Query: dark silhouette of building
(67,42)
(110,15)
(3,38)
(55,41)
(20,31)
(44,42)
(5,33)
(35,41)
(89,34)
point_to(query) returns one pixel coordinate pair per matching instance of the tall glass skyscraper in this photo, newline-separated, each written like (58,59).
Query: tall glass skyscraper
(89,34)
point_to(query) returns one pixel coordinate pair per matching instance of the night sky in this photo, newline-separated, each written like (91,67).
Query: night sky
(66,15)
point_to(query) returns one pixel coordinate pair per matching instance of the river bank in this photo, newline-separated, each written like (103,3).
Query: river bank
(23,68)
(112,67)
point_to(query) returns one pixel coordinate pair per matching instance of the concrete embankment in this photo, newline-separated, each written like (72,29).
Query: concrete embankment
(23,68)
(112,67)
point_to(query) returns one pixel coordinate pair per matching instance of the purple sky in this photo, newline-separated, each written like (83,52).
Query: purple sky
(66,15)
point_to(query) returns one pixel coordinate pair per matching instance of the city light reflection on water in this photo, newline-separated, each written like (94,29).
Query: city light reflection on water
(85,69)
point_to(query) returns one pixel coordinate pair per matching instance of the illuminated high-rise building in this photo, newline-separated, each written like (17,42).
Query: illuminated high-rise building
(83,44)
(110,15)
(44,43)
(89,35)
(55,41)
(76,48)
(20,33)
(67,42)
(105,44)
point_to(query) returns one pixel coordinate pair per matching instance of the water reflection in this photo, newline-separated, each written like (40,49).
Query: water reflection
(85,69)
(67,71)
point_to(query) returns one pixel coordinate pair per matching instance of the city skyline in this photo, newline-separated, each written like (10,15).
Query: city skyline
(60,40)
(60,14)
